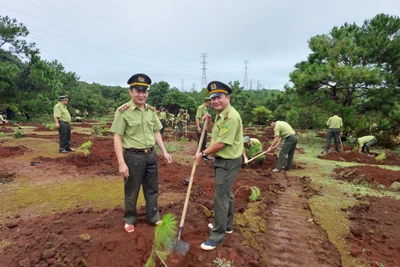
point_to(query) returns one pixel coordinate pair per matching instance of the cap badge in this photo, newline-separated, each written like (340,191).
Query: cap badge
(213,86)
(141,79)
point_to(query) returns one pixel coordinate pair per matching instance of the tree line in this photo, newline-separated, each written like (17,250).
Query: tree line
(354,70)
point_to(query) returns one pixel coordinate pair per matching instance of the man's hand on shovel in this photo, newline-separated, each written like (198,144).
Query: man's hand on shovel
(198,158)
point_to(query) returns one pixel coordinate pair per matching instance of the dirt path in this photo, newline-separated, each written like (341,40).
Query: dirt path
(295,240)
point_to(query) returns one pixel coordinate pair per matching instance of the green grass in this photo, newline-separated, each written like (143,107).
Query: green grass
(45,199)
(334,195)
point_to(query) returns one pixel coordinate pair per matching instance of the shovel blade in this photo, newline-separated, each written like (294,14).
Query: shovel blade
(181,247)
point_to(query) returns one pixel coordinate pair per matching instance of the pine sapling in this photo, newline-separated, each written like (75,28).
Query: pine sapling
(164,236)
(84,148)
(255,192)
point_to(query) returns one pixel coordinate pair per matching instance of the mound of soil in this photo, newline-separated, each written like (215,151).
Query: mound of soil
(6,130)
(375,231)
(10,151)
(373,175)
(83,125)
(391,158)
(41,128)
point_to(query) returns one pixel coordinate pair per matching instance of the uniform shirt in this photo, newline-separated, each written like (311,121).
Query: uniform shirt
(61,112)
(334,122)
(255,146)
(187,116)
(201,111)
(180,117)
(283,129)
(163,115)
(365,139)
(137,128)
(254,142)
(228,129)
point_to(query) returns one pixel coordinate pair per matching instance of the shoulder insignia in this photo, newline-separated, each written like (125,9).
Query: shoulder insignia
(150,107)
(123,108)
(226,115)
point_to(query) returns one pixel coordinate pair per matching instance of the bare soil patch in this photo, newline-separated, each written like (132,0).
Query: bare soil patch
(375,231)
(391,158)
(375,176)
(10,151)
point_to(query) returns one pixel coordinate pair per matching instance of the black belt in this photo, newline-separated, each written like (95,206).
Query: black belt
(64,122)
(290,136)
(144,151)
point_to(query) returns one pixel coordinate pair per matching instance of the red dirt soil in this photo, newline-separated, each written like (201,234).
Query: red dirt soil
(55,239)
(375,231)
(10,151)
(373,175)
(391,158)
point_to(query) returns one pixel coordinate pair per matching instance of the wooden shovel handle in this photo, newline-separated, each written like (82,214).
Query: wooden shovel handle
(185,206)
(265,152)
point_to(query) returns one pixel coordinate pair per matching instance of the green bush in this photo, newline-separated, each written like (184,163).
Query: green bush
(49,126)
(18,133)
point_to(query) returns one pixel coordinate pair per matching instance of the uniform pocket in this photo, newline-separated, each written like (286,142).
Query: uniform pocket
(150,127)
(133,127)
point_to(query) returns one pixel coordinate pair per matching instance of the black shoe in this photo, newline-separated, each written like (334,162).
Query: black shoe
(63,151)
(70,149)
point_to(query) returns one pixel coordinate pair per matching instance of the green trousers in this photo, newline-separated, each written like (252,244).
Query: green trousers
(225,171)
(203,145)
(335,134)
(288,148)
(65,136)
(143,170)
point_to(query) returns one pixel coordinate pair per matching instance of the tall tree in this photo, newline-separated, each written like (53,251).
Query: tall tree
(11,37)
(351,62)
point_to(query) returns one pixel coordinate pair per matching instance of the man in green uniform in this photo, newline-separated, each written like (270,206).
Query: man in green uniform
(282,130)
(163,117)
(62,118)
(334,124)
(171,118)
(365,143)
(200,112)
(187,117)
(180,121)
(227,147)
(136,130)
(252,147)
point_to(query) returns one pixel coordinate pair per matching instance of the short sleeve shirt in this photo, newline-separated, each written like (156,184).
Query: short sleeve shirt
(137,128)
(228,129)
(334,122)
(283,129)
(201,111)
(180,117)
(61,112)
(255,145)
(365,139)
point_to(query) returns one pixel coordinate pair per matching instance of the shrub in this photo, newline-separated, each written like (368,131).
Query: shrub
(18,133)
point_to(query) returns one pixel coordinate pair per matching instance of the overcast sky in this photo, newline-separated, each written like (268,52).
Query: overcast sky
(108,41)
